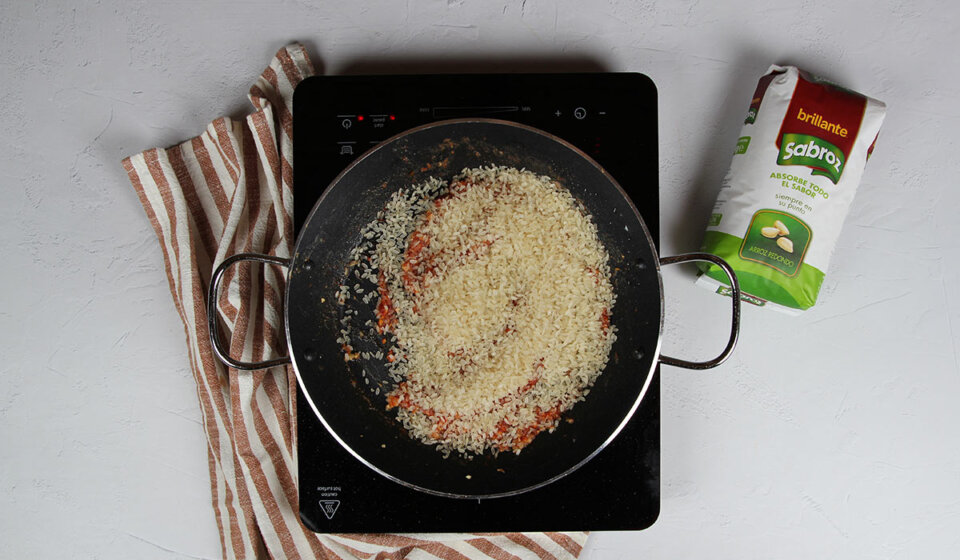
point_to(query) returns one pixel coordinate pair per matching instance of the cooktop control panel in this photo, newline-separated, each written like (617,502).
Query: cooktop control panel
(611,117)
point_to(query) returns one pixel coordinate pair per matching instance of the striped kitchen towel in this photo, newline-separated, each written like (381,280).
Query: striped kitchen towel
(229,191)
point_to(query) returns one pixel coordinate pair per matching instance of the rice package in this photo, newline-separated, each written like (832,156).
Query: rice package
(795,170)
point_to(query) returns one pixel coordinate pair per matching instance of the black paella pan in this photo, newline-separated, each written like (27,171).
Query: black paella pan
(350,408)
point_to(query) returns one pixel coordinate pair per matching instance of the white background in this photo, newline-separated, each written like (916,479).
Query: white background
(831,435)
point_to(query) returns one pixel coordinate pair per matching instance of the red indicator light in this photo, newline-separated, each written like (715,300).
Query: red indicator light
(393,117)
(359,117)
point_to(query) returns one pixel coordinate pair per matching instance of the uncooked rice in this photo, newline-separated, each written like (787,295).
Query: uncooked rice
(494,299)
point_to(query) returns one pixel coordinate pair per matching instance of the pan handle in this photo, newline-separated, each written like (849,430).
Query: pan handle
(213,296)
(735,325)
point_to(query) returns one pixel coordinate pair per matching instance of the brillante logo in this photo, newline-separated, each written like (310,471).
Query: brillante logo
(818,121)
(818,154)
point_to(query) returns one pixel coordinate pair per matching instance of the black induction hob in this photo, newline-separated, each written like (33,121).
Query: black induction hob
(611,117)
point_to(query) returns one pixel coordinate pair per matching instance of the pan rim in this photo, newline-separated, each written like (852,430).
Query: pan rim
(649,374)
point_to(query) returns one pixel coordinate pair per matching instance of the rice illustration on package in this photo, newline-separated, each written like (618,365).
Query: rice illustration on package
(795,170)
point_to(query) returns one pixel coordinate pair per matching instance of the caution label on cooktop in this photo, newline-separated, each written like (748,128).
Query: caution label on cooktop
(329,507)
(329,504)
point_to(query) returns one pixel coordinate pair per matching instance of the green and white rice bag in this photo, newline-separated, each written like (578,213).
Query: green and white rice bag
(797,165)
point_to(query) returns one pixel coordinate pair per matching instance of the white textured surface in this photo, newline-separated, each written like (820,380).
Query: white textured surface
(832,435)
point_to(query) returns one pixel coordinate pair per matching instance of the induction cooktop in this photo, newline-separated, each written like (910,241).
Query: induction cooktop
(610,116)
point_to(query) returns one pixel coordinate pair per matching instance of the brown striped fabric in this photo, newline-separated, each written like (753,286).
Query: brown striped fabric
(228,191)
